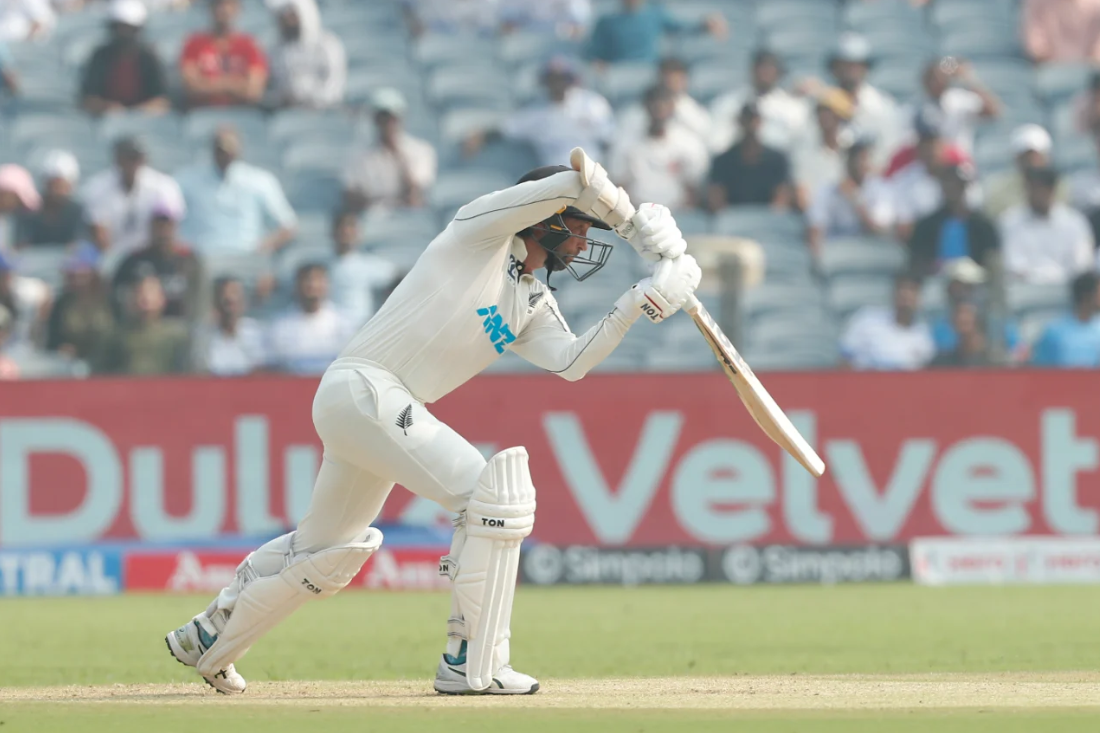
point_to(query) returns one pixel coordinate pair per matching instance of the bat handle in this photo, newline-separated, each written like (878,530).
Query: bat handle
(692,304)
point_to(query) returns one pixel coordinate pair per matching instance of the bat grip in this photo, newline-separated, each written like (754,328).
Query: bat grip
(692,304)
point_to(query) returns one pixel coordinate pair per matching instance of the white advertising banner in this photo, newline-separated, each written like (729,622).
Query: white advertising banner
(973,561)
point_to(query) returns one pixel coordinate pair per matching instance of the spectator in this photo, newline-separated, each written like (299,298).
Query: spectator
(25,20)
(1085,107)
(357,278)
(1044,241)
(230,203)
(913,172)
(399,169)
(953,230)
(571,117)
(125,72)
(233,345)
(1083,190)
(18,198)
(820,155)
(120,200)
(1030,144)
(1073,341)
(876,112)
(961,106)
(146,343)
(81,320)
(309,337)
(60,218)
(450,17)
(750,172)
(223,67)
(9,79)
(170,260)
(1062,31)
(971,349)
(890,338)
(567,19)
(9,369)
(308,67)
(860,204)
(635,32)
(687,113)
(27,299)
(785,116)
(666,164)
(964,276)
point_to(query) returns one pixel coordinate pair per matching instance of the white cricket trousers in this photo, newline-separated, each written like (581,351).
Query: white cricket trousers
(376,434)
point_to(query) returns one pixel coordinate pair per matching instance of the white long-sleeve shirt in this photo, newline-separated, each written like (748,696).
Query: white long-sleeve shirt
(464,303)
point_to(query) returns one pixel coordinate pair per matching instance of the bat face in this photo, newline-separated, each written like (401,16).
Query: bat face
(771,419)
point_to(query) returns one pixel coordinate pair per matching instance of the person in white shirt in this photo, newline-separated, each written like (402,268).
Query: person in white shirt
(672,74)
(399,169)
(233,345)
(666,164)
(860,204)
(25,20)
(309,336)
(1030,146)
(119,201)
(308,65)
(890,339)
(1044,241)
(785,116)
(876,112)
(818,157)
(963,101)
(471,296)
(1083,186)
(357,277)
(571,117)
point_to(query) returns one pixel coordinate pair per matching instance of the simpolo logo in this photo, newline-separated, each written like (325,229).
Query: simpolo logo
(579,565)
(744,564)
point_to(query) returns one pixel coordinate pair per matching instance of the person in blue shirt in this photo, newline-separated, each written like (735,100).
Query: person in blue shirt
(635,32)
(1073,341)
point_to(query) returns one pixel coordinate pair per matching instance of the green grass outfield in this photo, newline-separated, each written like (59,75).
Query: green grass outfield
(792,659)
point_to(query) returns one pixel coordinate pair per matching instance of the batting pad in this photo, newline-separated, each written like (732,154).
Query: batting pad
(264,603)
(500,514)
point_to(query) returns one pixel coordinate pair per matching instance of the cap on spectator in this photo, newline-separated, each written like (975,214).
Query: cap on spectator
(1043,175)
(852,47)
(165,209)
(561,66)
(130,146)
(1028,138)
(837,101)
(964,270)
(85,256)
(129,12)
(16,179)
(388,99)
(61,164)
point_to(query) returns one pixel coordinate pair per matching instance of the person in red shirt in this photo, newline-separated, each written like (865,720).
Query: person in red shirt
(223,67)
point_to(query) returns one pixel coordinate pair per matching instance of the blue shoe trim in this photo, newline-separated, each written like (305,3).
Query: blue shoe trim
(460,659)
(205,640)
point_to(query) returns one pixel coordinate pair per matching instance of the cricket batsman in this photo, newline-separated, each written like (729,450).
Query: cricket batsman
(471,296)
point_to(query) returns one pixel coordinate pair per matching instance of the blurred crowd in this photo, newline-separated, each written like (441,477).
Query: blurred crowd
(146,257)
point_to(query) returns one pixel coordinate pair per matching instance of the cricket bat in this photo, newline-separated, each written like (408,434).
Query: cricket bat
(772,420)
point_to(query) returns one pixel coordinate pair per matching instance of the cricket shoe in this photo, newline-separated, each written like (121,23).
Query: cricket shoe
(450,679)
(189,642)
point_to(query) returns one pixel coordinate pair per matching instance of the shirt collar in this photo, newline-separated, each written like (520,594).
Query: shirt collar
(518,249)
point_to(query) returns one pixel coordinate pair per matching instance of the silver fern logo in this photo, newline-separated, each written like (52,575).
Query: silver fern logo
(534,299)
(405,419)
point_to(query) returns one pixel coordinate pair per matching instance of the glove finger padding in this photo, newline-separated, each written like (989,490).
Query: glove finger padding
(600,197)
(657,235)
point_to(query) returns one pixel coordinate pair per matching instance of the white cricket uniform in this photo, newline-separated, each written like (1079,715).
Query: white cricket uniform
(460,308)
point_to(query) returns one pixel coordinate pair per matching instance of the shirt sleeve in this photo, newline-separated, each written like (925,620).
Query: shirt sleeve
(1043,352)
(669,22)
(332,91)
(852,345)
(494,216)
(92,83)
(547,342)
(191,50)
(818,213)
(598,41)
(275,203)
(153,73)
(255,56)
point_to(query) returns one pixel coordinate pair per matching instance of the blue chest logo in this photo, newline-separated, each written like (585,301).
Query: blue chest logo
(498,330)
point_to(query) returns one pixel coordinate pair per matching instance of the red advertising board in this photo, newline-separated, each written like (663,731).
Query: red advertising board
(617,460)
